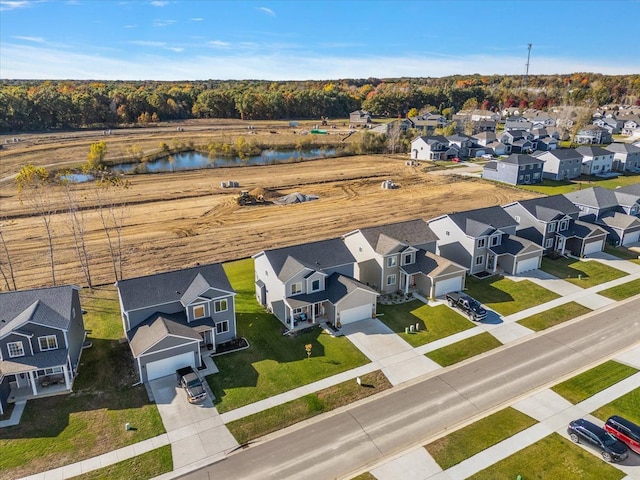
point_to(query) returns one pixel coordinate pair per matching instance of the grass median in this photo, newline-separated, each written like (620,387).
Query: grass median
(623,291)
(148,465)
(467,348)
(554,316)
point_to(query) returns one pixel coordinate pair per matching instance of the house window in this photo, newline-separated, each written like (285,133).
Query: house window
(564,224)
(522,167)
(296,288)
(536,175)
(407,259)
(315,285)
(198,312)
(360,249)
(481,242)
(52,371)
(548,243)
(222,327)
(447,233)
(391,279)
(495,241)
(16,349)
(520,177)
(551,227)
(479,260)
(392,261)
(220,305)
(50,342)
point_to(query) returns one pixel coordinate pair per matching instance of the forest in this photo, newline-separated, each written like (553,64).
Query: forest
(37,105)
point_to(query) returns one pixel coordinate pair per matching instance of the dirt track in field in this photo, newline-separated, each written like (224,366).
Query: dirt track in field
(174,220)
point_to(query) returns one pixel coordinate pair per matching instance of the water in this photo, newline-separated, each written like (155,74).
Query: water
(77,177)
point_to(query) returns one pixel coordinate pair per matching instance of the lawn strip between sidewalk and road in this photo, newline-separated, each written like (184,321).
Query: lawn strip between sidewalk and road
(627,406)
(549,318)
(506,296)
(623,291)
(467,348)
(147,465)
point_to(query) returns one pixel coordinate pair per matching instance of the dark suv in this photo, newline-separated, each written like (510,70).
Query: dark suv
(625,431)
(192,384)
(613,450)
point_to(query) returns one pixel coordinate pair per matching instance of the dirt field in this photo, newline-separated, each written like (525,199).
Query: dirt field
(177,219)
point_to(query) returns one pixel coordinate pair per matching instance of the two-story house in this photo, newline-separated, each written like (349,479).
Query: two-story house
(626,157)
(516,169)
(520,141)
(560,164)
(595,160)
(401,256)
(41,339)
(312,283)
(433,148)
(171,319)
(359,117)
(552,222)
(612,125)
(517,123)
(485,242)
(428,122)
(592,134)
(631,124)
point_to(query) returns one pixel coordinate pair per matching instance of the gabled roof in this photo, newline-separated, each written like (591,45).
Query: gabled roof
(514,245)
(175,286)
(549,208)
(619,220)
(337,286)
(482,221)
(630,189)
(521,159)
(598,197)
(389,238)
(582,230)
(592,151)
(622,148)
(431,139)
(432,265)
(485,136)
(45,306)
(157,327)
(560,153)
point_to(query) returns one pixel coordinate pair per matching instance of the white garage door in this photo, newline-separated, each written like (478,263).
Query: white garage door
(593,247)
(526,265)
(448,285)
(168,366)
(631,238)
(354,314)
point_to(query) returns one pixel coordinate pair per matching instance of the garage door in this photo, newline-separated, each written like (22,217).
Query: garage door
(631,238)
(168,366)
(593,247)
(448,285)
(526,265)
(354,314)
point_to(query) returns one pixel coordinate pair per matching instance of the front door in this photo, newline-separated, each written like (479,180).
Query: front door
(560,244)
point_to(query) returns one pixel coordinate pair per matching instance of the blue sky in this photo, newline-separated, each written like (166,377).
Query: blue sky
(306,39)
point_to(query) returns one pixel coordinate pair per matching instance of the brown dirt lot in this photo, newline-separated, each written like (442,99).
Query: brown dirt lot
(174,220)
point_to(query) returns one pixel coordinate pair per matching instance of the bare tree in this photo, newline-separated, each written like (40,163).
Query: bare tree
(33,185)
(78,228)
(6,267)
(394,136)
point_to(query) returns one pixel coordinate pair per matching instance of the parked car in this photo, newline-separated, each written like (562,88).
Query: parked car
(192,384)
(468,305)
(612,449)
(625,431)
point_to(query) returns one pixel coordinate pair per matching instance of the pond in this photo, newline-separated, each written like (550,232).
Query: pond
(196,160)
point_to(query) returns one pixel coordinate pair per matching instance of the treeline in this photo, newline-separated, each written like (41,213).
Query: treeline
(40,105)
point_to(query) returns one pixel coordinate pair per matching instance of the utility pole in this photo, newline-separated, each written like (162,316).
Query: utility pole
(526,75)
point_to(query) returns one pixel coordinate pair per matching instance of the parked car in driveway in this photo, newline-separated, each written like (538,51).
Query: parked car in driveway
(468,305)
(189,379)
(612,449)
(625,431)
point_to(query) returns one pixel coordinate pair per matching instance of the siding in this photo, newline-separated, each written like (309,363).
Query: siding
(76,333)
(169,353)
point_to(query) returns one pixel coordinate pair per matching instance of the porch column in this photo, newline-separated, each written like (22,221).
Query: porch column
(33,384)
(407,279)
(313,312)
(67,381)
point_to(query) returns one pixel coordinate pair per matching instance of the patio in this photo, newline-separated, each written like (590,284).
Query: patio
(44,390)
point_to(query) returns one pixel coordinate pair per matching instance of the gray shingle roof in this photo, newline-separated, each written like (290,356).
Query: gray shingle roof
(514,246)
(550,208)
(561,153)
(49,359)
(482,220)
(622,148)
(592,151)
(521,159)
(337,286)
(391,237)
(630,189)
(432,265)
(172,286)
(619,220)
(602,198)
(156,328)
(582,230)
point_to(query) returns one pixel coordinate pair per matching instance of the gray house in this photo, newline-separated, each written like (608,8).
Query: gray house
(561,164)
(433,148)
(401,256)
(595,160)
(41,337)
(593,134)
(171,318)
(485,242)
(626,157)
(516,169)
(552,222)
(312,283)
(359,117)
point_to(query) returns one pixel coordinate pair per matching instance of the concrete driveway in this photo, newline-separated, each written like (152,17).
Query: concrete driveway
(195,431)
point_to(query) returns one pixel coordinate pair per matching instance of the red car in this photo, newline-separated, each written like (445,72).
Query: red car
(625,431)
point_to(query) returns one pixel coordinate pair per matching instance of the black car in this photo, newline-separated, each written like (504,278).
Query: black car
(613,450)
(192,384)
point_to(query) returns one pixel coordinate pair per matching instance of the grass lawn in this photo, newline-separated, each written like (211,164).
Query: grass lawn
(554,187)
(553,457)
(467,348)
(623,291)
(466,442)
(627,406)
(274,363)
(59,430)
(555,316)
(147,465)
(551,187)
(506,296)
(584,274)
(364,476)
(592,381)
(434,322)
(281,416)
(622,252)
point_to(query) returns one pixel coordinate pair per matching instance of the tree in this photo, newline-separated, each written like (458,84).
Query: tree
(78,229)
(412,113)
(33,185)
(97,152)
(470,104)
(6,266)
(394,136)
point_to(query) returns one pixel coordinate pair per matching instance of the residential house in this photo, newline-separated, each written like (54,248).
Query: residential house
(595,160)
(485,242)
(484,138)
(520,141)
(626,157)
(611,124)
(433,148)
(631,124)
(359,117)
(171,319)
(41,339)
(552,222)
(428,122)
(401,256)
(517,123)
(313,283)
(592,134)
(462,142)
(560,164)
(516,169)
(541,118)
(547,143)
(484,126)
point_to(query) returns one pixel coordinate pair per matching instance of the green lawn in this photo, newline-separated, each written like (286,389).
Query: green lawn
(623,291)
(506,296)
(281,416)
(627,406)
(274,363)
(59,430)
(553,457)
(584,274)
(554,316)
(466,442)
(148,465)
(467,348)
(622,252)
(551,187)
(555,187)
(592,381)
(364,476)
(434,322)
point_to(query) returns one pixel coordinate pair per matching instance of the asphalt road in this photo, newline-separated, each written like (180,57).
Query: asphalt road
(406,417)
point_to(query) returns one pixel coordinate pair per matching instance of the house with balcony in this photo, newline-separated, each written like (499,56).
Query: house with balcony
(592,134)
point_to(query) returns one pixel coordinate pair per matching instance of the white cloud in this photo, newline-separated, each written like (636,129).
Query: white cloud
(131,26)
(6,5)
(147,43)
(159,3)
(30,39)
(197,19)
(163,23)
(219,44)
(268,11)
(175,49)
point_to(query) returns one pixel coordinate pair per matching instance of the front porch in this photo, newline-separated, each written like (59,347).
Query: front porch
(45,389)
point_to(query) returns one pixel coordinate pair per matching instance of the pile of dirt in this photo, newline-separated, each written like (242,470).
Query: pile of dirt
(260,192)
(293,198)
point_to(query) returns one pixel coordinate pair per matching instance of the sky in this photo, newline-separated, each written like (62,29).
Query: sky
(313,40)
